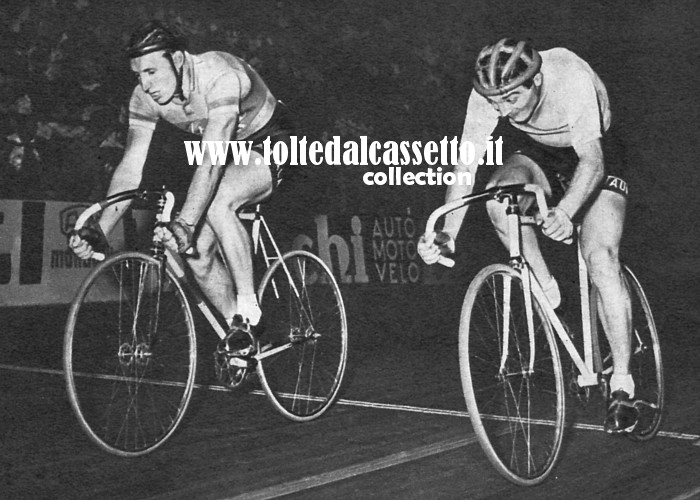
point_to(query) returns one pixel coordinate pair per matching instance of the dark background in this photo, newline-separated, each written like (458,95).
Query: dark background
(391,70)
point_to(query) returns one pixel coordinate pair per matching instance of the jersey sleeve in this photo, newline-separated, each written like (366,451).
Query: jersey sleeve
(141,111)
(583,110)
(225,94)
(480,121)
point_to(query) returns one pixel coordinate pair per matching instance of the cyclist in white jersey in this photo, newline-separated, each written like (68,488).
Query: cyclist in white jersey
(553,113)
(219,97)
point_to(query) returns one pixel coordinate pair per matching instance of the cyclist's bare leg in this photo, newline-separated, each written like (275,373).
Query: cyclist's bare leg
(211,274)
(520,169)
(601,232)
(240,185)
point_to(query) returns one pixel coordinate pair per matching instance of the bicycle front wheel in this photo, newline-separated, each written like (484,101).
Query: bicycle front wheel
(511,376)
(130,354)
(306,335)
(646,366)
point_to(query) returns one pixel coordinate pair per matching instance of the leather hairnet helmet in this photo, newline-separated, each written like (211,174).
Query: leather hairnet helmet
(151,37)
(504,66)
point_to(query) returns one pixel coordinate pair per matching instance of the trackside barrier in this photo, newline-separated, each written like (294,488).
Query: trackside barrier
(37,268)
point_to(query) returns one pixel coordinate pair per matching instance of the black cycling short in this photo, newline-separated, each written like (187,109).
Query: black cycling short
(279,128)
(558,164)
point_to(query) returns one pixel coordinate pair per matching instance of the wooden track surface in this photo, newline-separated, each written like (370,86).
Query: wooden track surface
(400,430)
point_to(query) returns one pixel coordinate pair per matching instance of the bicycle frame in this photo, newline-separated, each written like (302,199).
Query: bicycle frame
(259,243)
(510,365)
(260,232)
(515,220)
(147,332)
(587,375)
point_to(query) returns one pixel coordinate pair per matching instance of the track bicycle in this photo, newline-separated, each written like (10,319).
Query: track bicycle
(511,371)
(130,349)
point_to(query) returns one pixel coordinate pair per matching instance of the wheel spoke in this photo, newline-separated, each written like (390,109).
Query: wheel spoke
(517,413)
(308,315)
(130,354)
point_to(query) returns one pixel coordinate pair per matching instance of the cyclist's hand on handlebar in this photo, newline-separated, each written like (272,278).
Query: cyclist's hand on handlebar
(557,225)
(177,236)
(432,248)
(88,240)
(81,248)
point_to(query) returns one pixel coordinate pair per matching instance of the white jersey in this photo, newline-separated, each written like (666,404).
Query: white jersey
(573,108)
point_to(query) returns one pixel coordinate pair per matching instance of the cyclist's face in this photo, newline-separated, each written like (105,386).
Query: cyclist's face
(156,76)
(519,104)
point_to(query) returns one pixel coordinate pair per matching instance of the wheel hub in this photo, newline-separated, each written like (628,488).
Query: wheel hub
(129,354)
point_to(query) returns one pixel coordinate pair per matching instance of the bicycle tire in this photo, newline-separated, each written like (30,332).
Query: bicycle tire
(303,378)
(517,414)
(646,365)
(130,362)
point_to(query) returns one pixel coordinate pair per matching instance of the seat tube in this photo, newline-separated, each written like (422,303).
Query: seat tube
(585,306)
(515,244)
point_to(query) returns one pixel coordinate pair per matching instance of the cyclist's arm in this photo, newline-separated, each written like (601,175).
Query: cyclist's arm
(206,175)
(454,219)
(127,175)
(223,97)
(587,177)
(443,242)
(480,121)
(582,107)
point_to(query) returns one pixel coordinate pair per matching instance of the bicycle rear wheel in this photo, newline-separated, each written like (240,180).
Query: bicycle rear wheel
(646,366)
(512,380)
(306,330)
(130,354)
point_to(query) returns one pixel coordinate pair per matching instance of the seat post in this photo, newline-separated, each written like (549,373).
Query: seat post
(256,228)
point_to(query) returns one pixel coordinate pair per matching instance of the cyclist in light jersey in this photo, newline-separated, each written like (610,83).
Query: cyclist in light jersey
(553,113)
(219,97)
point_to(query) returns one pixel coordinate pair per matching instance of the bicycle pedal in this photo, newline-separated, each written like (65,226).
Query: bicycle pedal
(242,362)
(231,372)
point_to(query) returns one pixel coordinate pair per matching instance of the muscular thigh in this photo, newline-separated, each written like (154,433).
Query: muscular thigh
(603,223)
(240,185)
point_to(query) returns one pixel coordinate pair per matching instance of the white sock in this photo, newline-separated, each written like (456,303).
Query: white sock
(551,290)
(622,382)
(249,309)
